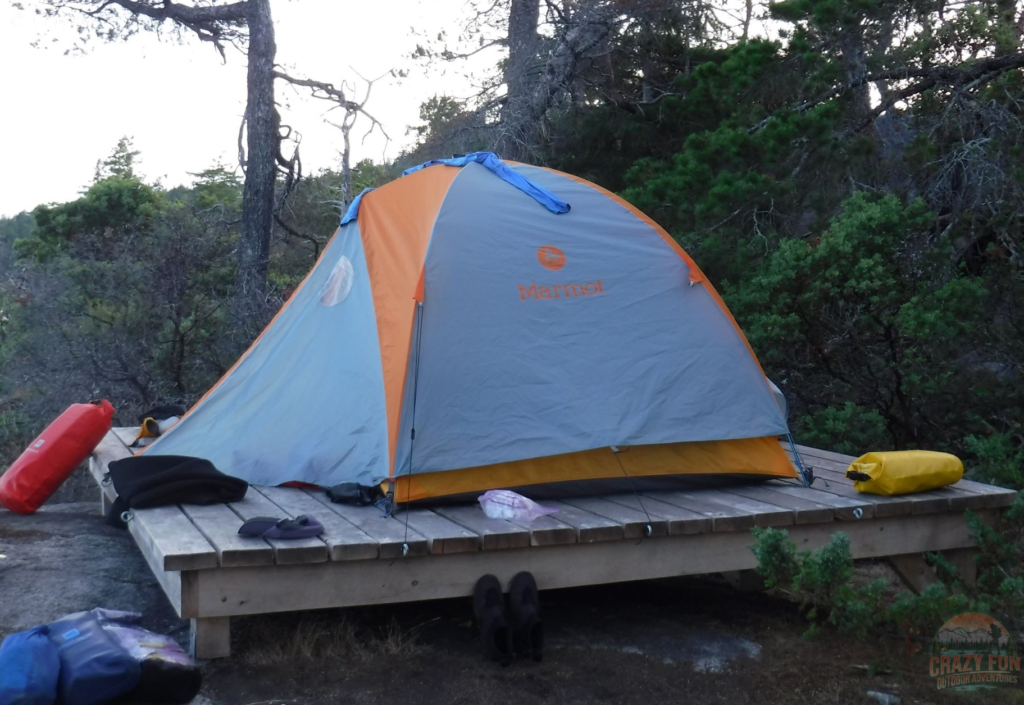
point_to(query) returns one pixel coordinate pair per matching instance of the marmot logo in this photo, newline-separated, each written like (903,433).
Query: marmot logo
(551,257)
(561,291)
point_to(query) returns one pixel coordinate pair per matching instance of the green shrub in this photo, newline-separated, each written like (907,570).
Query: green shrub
(821,581)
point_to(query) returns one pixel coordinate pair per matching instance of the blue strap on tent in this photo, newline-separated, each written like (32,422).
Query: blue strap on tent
(353,209)
(490,160)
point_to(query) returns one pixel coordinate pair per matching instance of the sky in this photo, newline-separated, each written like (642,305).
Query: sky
(182,106)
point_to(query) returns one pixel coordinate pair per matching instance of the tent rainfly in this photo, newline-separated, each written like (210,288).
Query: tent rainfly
(465,329)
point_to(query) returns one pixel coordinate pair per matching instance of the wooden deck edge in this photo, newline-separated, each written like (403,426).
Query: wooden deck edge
(170,581)
(239,591)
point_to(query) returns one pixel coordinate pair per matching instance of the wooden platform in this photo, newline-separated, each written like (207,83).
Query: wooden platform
(211,574)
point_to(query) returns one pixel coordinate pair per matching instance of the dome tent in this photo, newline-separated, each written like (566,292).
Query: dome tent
(477,324)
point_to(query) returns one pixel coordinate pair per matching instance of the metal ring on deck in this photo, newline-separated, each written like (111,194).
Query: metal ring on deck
(126,516)
(858,512)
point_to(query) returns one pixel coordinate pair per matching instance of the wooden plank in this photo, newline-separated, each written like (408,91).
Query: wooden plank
(210,638)
(173,539)
(822,453)
(126,435)
(442,535)
(680,521)
(765,514)
(220,527)
(495,534)
(996,496)
(391,533)
(345,541)
(347,583)
(547,531)
(805,511)
(723,517)
(846,509)
(883,506)
(106,451)
(634,523)
(730,512)
(589,527)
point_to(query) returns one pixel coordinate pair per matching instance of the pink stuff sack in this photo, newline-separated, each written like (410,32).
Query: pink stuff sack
(505,504)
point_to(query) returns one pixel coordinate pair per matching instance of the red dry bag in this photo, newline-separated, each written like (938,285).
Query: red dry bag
(54,455)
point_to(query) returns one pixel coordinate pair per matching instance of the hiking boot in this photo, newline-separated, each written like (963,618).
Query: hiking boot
(527,628)
(489,610)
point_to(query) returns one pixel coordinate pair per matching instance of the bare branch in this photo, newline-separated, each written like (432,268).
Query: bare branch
(335,94)
(217,24)
(966,77)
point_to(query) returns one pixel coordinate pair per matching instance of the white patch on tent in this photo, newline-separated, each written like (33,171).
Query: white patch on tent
(339,285)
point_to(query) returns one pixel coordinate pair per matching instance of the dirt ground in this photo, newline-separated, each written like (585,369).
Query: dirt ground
(663,641)
(670,641)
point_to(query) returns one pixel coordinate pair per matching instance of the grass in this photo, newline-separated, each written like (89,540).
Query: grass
(324,635)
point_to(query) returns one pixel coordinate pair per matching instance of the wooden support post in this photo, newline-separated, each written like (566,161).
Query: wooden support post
(914,570)
(104,502)
(963,560)
(210,638)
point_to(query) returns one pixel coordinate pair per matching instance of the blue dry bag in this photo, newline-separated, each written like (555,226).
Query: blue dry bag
(93,666)
(29,669)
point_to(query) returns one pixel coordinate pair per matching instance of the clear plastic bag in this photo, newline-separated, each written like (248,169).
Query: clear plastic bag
(505,504)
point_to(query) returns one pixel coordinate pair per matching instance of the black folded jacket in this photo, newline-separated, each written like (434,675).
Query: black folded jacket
(354,493)
(157,480)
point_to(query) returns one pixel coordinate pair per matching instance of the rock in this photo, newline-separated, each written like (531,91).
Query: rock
(65,559)
(706,649)
(884,698)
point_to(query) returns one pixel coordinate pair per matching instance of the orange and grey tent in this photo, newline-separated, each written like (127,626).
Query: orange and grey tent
(477,324)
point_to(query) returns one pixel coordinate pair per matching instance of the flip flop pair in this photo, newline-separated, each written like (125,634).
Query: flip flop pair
(301,527)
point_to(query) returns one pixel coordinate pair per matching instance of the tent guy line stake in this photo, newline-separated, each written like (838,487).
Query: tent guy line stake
(805,474)
(649,529)
(412,435)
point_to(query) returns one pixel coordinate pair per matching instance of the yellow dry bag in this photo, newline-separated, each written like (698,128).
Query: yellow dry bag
(904,471)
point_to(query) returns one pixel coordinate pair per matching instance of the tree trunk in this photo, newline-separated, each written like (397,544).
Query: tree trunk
(258,195)
(523,45)
(851,45)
